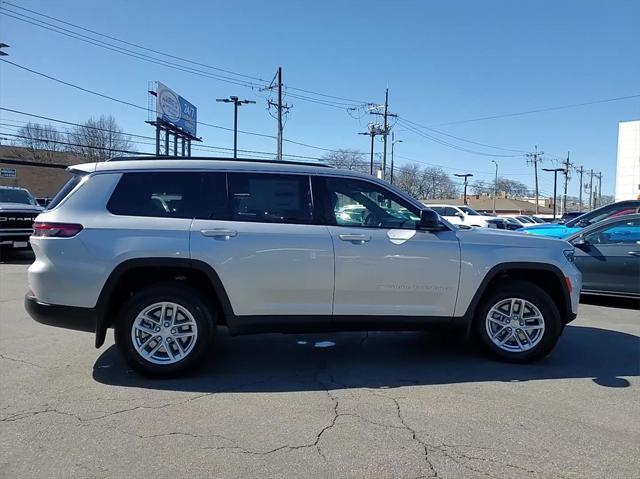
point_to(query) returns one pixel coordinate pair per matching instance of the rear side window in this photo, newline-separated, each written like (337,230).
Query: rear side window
(158,194)
(65,190)
(270,198)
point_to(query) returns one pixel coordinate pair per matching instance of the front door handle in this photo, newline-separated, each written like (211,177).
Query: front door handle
(634,253)
(219,233)
(355,238)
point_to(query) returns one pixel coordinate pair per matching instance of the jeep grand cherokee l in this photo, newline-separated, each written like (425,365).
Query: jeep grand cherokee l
(164,250)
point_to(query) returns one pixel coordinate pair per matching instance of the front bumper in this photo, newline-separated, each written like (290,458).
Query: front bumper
(60,316)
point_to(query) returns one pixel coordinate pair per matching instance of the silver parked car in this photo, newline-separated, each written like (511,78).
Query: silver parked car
(164,250)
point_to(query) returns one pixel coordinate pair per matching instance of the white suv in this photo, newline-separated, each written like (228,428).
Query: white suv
(165,250)
(461,215)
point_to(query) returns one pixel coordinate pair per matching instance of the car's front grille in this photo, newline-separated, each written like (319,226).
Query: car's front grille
(16,220)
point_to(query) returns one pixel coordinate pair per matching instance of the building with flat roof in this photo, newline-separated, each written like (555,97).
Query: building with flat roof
(628,162)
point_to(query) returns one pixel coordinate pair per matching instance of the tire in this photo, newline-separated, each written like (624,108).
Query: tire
(159,341)
(511,298)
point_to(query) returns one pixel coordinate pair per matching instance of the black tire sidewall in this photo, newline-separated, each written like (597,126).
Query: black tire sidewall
(536,296)
(170,292)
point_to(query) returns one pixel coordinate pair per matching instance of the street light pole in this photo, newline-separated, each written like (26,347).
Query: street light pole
(465,176)
(495,187)
(393,142)
(555,182)
(236,103)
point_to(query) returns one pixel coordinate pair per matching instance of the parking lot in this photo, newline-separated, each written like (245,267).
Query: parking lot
(331,405)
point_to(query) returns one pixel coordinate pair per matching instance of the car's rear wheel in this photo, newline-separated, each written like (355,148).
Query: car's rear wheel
(518,322)
(164,330)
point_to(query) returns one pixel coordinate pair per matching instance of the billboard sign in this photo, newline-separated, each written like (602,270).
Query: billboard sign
(171,108)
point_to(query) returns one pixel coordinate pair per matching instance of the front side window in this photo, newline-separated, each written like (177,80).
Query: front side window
(627,232)
(158,194)
(360,203)
(270,198)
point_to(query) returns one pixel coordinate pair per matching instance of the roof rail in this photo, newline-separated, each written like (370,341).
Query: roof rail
(214,158)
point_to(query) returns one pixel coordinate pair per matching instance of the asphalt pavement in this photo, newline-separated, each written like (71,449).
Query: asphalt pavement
(348,405)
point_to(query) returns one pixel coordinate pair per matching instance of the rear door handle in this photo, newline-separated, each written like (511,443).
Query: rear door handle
(355,238)
(634,253)
(219,233)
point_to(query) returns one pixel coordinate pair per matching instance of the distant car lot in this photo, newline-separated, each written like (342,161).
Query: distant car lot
(335,405)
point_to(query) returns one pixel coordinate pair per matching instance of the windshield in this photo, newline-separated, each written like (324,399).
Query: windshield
(601,213)
(16,196)
(469,211)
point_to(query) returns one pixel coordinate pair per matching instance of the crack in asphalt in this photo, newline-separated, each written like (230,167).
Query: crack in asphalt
(9,358)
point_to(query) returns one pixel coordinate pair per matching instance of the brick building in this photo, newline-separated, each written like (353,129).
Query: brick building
(41,175)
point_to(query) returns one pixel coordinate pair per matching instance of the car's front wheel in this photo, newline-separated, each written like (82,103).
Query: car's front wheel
(518,322)
(163,330)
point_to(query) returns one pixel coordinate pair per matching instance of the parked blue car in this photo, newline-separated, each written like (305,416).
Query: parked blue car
(573,226)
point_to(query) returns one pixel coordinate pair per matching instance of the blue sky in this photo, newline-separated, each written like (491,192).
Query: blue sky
(443,61)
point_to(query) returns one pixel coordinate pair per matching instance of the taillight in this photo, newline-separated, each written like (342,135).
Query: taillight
(56,230)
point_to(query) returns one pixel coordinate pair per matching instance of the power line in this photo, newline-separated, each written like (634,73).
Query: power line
(100,43)
(134,44)
(539,110)
(418,125)
(140,107)
(451,145)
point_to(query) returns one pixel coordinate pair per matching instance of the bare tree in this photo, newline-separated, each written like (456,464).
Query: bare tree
(508,188)
(348,160)
(99,140)
(437,184)
(409,179)
(42,141)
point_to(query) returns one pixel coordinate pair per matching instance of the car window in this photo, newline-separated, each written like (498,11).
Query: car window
(216,206)
(365,204)
(469,211)
(448,211)
(437,209)
(624,232)
(270,198)
(65,190)
(8,195)
(157,194)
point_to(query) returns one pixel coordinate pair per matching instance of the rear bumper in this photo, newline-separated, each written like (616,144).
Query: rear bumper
(67,317)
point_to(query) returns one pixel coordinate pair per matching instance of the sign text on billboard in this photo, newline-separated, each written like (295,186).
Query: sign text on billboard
(175,110)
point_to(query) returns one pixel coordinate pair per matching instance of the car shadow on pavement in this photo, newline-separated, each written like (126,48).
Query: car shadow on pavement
(16,257)
(281,363)
(611,302)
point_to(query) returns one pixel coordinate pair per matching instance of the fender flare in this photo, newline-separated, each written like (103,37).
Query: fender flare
(500,268)
(103,305)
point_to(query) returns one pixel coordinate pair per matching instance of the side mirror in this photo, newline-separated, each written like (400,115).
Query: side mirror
(580,242)
(460,215)
(429,220)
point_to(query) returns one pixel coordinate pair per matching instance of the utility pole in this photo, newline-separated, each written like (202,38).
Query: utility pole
(374,130)
(280,108)
(495,187)
(393,142)
(535,158)
(567,164)
(555,184)
(591,190)
(581,171)
(236,103)
(465,176)
(3,53)
(599,203)
(385,128)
